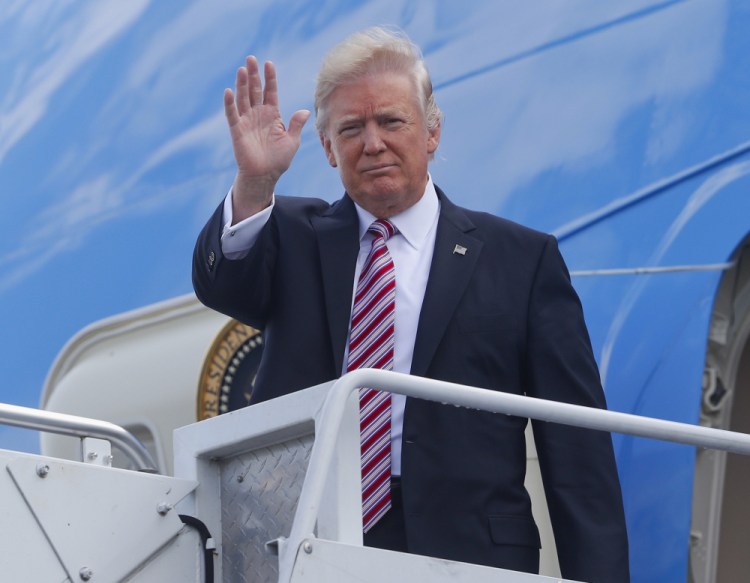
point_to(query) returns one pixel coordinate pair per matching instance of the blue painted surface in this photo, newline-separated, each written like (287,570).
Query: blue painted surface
(621,126)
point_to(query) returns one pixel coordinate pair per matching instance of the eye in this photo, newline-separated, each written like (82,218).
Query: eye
(349,129)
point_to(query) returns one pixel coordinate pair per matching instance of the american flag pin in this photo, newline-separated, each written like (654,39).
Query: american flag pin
(459,250)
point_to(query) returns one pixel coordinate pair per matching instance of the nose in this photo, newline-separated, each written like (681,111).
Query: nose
(373,141)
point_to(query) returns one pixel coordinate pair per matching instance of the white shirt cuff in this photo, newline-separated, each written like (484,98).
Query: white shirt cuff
(237,240)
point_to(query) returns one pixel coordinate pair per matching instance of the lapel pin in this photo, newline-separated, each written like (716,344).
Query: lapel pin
(459,250)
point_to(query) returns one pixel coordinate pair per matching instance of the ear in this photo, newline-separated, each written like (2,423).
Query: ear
(433,139)
(326,143)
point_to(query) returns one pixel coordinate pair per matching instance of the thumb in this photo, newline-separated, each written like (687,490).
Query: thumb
(297,122)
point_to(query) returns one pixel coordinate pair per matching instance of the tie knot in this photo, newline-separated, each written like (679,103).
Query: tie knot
(382,228)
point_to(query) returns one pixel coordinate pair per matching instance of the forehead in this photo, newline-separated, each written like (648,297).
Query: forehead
(373,93)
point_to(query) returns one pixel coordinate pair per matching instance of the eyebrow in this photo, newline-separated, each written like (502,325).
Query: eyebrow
(347,119)
(379,115)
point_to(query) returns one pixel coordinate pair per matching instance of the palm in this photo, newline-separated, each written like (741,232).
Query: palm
(263,146)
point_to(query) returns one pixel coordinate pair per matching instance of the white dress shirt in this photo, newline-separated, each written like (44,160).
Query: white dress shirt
(411,250)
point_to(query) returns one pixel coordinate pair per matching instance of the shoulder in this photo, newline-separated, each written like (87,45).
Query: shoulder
(304,210)
(492,228)
(499,226)
(301,205)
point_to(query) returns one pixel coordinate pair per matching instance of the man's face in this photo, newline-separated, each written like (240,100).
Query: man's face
(378,140)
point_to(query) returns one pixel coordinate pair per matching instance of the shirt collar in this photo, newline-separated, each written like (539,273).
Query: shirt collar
(414,223)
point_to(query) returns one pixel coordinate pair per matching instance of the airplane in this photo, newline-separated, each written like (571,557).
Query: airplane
(621,128)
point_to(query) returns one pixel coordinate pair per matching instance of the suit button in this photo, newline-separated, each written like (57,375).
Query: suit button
(211,260)
(410,439)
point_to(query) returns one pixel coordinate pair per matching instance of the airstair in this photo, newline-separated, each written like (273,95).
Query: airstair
(269,493)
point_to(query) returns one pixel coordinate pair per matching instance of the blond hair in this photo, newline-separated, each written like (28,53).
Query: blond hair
(374,50)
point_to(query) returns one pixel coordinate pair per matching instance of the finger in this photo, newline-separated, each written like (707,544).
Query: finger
(297,122)
(243,99)
(230,110)
(271,90)
(254,84)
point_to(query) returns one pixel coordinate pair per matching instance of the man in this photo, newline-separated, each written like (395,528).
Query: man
(458,295)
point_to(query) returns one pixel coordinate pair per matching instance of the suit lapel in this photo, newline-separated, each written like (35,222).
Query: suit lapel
(338,245)
(450,273)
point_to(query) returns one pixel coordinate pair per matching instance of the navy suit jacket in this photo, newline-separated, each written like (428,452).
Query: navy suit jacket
(505,317)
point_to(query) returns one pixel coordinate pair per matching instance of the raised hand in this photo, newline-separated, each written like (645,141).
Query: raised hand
(263,146)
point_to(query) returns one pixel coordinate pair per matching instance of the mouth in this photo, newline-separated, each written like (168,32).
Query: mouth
(378,169)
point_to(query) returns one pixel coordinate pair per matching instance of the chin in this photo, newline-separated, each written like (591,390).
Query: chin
(384,209)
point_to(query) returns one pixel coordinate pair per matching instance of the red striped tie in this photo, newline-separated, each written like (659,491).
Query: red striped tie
(371,346)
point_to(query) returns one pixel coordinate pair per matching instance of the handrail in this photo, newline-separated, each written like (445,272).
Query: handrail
(72,425)
(328,424)
(653,270)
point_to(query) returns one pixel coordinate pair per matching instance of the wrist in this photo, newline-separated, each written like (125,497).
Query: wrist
(250,196)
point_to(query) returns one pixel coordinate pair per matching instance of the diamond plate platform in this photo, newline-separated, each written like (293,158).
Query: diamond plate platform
(259,493)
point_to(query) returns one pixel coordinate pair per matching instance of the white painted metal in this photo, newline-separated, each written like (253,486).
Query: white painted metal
(80,518)
(74,425)
(322,509)
(25,553)
(64,520)
(450,393)
(140,370)
(322,561)
(548,563)
(204,449)
(181,560)
(96,451)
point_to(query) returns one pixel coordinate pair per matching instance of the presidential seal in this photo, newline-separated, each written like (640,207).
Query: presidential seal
(228,374)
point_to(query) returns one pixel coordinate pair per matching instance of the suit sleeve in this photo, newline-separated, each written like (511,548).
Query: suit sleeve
(578,465)
(240,288)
